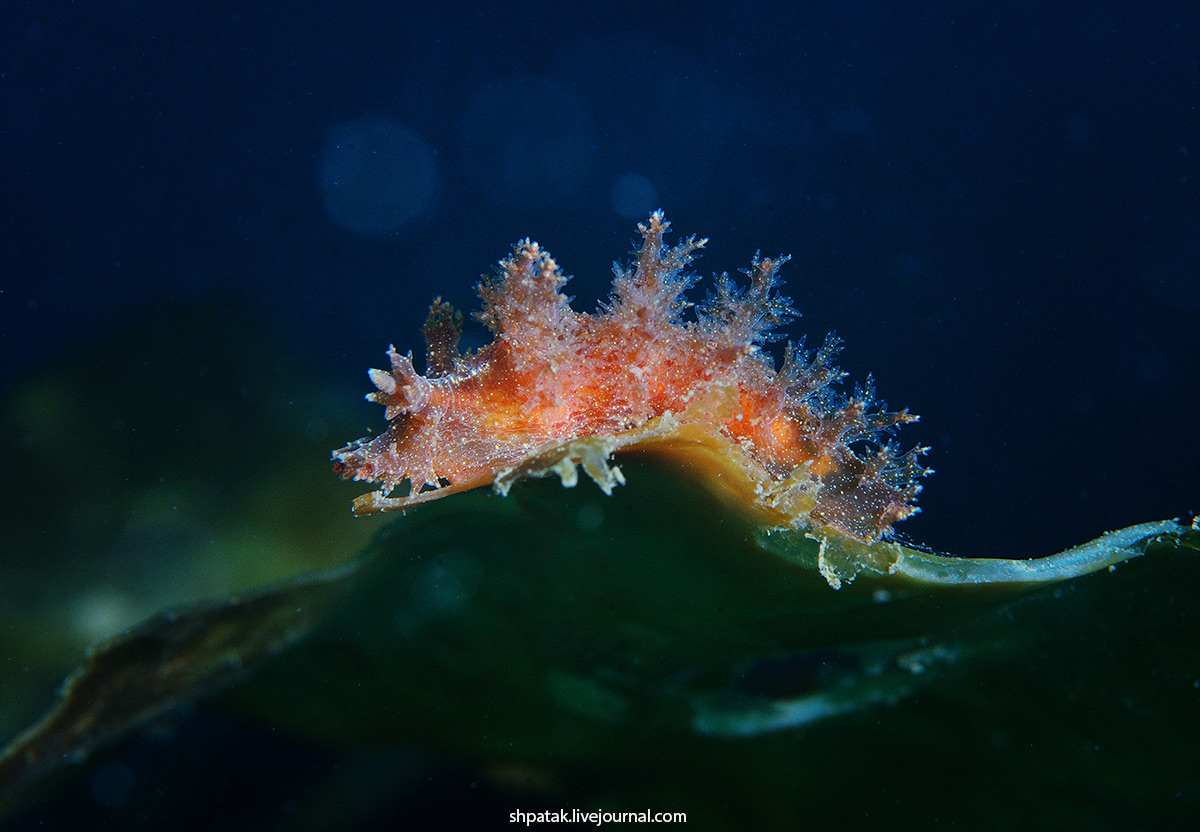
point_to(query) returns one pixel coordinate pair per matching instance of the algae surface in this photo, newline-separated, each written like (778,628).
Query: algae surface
(654,649)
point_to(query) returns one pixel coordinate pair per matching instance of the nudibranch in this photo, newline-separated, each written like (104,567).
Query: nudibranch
(558,388)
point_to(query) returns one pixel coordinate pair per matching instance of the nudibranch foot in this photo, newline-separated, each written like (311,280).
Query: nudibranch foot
(558,388)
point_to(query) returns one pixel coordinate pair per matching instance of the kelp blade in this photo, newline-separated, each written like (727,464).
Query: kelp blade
(651,645)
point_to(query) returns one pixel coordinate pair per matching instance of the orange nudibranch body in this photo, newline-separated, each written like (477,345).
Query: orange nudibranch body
(553,376)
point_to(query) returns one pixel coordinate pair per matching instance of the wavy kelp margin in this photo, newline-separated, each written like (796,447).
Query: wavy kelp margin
(721,466)
(662,612)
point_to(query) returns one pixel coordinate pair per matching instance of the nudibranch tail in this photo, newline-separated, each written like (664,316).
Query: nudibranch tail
(558,387)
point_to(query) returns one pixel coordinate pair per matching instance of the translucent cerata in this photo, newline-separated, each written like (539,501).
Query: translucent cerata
(649,372)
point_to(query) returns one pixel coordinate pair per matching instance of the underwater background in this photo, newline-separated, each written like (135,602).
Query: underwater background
(216,218)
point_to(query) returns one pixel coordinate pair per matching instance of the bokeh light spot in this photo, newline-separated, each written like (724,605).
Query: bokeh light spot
(376,175)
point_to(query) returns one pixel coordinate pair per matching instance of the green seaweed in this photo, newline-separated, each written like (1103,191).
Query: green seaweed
(653,648)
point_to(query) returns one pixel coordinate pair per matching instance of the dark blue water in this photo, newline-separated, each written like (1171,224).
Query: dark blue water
(998,208)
